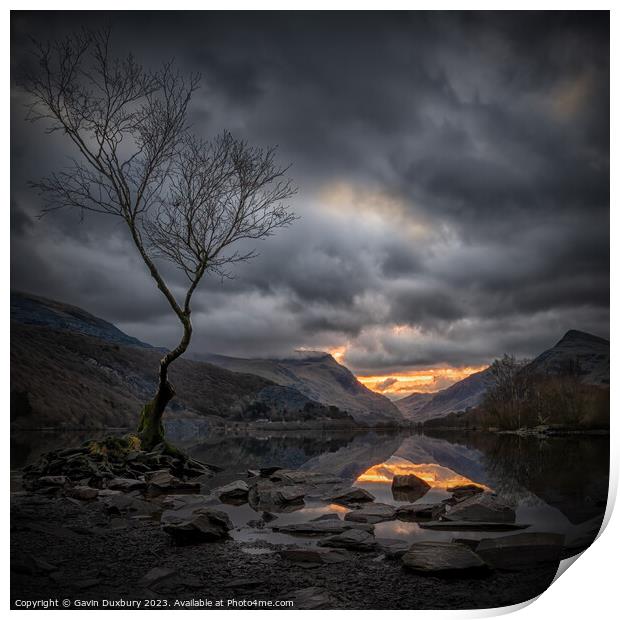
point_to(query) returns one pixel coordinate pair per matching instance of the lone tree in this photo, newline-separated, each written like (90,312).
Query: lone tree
(183,199)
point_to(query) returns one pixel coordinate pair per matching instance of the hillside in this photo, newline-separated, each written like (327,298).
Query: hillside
(32,310)
(565,387)
(321,378)
(462,395)
(63,378)
(577,352)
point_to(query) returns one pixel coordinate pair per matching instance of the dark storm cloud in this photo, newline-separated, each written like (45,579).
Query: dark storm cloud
(453,173)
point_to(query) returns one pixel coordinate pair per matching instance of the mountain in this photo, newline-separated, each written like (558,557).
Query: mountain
(577,352)
(70,369)
(411,405)
(464,394)
(320,377)
(32,310)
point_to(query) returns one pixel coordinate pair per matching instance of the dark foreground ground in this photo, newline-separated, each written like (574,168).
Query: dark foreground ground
(61,550)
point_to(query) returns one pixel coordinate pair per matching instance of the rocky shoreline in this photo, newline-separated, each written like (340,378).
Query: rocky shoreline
(117,523)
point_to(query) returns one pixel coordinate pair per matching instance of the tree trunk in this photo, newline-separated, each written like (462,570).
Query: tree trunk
(150,426)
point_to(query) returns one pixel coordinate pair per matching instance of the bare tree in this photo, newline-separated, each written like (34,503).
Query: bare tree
(182,198)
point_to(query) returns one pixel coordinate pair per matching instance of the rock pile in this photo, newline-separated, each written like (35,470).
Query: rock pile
(115,462)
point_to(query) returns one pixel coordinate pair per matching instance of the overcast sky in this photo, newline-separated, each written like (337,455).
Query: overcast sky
(453,174)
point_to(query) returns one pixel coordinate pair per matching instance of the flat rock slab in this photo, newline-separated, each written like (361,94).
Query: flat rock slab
(123,503)
(349,496)
(392,547)
(371,513)
(193,501)
(358,540)
(443,558)
(200,525)
(308,557)
(330,516)
(126,484)
(82,492)
(163,483)
(519,551)
(482,507)
(420,512)
(481,526)
(292,476)
(321,528)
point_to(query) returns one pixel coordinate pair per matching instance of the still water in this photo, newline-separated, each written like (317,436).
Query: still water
(557,484)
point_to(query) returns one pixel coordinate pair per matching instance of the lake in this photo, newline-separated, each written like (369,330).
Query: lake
(557,484)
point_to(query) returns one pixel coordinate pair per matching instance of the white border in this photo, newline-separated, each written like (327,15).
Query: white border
(590,587)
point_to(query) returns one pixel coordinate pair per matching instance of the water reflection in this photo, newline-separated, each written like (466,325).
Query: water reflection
(557,484)
(434,474)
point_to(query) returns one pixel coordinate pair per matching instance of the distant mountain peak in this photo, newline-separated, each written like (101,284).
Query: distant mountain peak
(574,335)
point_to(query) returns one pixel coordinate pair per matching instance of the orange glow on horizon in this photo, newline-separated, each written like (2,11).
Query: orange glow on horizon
(436,475)
(401,384)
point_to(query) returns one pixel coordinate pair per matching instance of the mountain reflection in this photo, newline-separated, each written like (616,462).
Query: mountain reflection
(436,475)
(564,477)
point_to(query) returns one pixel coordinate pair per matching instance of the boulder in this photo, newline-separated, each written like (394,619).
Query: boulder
(349,496)
(463,491)
(419,512)
(410,481)
(519,551)
(307,557)
(359,540)
(266,494)
(481,507)
(371,513)
(443,558)
(409,488)
(234,493)
(201,525)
